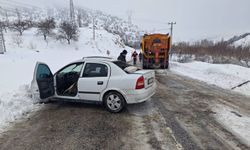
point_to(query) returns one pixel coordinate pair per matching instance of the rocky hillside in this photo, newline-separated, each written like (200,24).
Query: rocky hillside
(241,40)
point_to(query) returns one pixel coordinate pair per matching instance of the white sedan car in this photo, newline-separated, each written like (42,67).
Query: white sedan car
(94,79)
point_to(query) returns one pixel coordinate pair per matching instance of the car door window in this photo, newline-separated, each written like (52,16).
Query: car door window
(95,70)
(67,78)
(43,72)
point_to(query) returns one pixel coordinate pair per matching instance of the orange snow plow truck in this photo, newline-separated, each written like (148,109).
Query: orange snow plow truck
(155,51)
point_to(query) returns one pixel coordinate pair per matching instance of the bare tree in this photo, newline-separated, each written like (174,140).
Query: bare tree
(243,55)
(17,39)
(79,20)
(45,27)
(20,26)
(68,31)
(219,52)
(4,25)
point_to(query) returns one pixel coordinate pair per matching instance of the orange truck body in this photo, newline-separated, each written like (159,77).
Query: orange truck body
(155,50)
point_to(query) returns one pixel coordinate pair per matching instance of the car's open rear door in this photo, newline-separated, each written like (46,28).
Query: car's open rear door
(44,79)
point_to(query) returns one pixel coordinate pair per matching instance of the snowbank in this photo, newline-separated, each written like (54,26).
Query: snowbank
(225,76)
(14,105)
(17,65)
(234,121)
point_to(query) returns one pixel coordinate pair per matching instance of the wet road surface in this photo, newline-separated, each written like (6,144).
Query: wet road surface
(178,116)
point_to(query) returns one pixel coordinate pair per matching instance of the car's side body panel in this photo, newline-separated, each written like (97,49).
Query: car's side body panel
(120,81)
(126,86)
(93,89)
(90,88)
(93,82)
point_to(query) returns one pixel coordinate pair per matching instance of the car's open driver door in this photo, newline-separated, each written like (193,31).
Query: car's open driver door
(42,85)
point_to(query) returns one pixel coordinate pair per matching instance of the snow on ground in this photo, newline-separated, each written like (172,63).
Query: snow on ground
(17,65)
(15,104)
(225,76)
(234,121)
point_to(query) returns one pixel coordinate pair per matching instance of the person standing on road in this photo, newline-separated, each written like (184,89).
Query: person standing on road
(140,57)
(134,56)
(122,56)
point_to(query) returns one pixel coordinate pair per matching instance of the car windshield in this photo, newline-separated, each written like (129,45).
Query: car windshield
(72,68)
(126,67)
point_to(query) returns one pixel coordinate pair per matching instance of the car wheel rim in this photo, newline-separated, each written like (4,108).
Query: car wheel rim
(114,102)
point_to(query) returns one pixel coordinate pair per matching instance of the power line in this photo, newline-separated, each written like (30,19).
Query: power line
(22,4)
(129,13)
(13,6)
(7,9)
(151,21)
(162,29)
(12,10)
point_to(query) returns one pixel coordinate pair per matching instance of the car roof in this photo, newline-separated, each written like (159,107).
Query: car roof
(95,58)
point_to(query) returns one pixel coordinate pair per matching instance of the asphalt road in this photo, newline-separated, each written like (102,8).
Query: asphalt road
(187,104)
(178,116)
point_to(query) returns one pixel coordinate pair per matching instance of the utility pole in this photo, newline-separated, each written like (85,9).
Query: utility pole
(93,28)
(18,15)
(171,36)
(6,21)
(79,20)
(129,13)
(171,28)
(72,12)
(2,42)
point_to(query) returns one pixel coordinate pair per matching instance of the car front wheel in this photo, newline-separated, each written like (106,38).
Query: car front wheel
(114,102)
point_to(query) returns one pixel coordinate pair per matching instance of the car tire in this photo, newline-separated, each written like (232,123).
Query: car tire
(114,102)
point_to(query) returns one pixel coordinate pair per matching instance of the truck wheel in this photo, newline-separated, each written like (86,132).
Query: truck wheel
(114,102)
(144,67)
(167,65)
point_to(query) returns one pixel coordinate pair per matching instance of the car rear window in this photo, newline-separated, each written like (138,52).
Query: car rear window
(121,64)
(126,67)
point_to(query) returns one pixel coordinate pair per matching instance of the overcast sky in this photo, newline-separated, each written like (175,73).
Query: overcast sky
(195,19)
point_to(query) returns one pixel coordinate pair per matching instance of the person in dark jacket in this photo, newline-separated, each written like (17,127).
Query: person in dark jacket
(140,56)
(122,56)
(134,56)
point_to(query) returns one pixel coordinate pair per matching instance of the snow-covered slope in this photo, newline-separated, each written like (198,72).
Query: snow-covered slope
(238,40)
(84,17)
(244,42)
(18,63)
(34,48)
